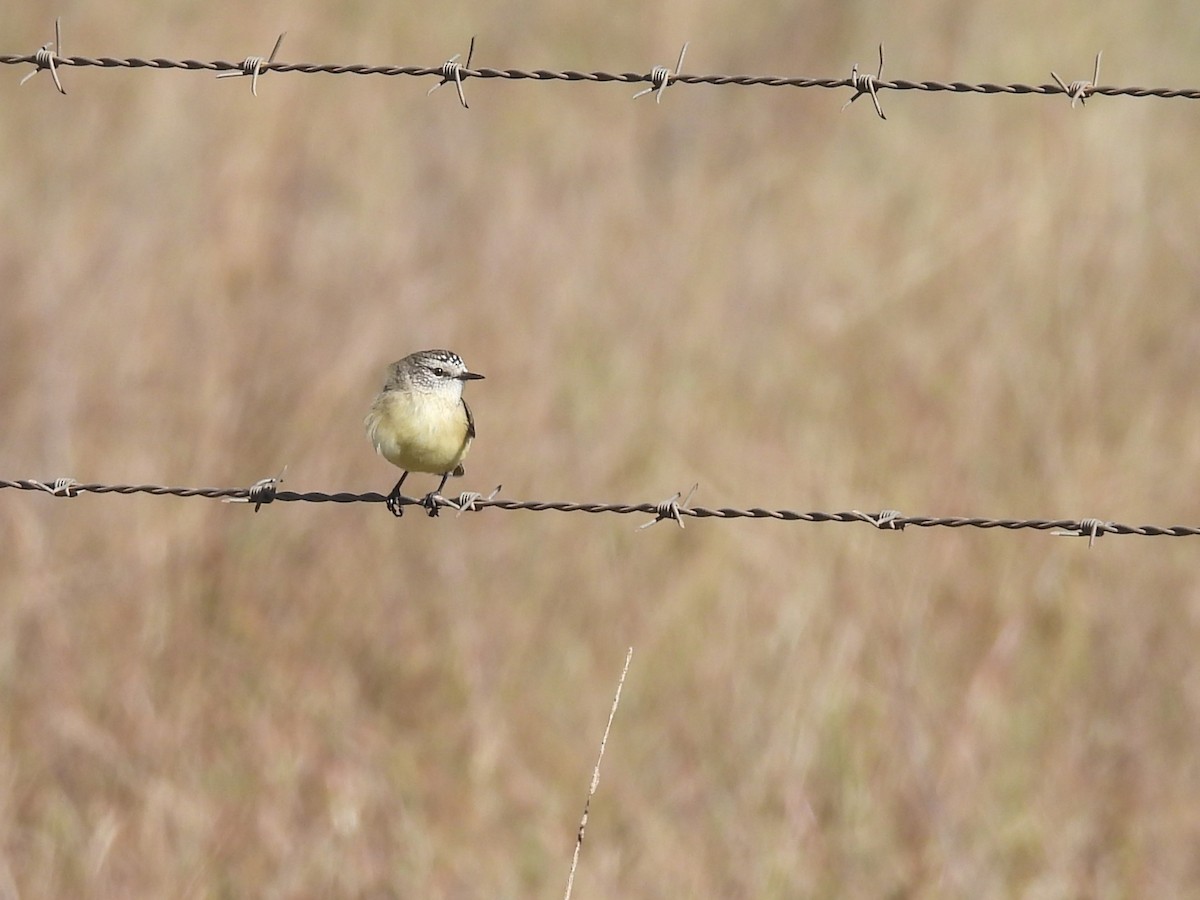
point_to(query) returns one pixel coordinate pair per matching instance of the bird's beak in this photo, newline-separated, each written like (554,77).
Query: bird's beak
(469,376)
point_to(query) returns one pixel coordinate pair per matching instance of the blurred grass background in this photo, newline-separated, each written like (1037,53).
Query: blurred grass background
(983,306)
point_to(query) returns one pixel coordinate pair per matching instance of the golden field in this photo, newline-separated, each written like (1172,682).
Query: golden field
(982,306)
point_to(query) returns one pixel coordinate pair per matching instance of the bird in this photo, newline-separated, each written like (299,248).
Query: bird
(420,422)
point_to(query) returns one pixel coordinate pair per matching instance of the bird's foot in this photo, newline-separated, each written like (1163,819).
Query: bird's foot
(433,503)
(394,505)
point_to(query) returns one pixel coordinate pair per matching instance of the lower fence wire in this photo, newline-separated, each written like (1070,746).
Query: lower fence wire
(266,491)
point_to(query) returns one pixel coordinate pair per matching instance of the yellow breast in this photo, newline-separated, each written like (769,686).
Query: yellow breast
(419,432)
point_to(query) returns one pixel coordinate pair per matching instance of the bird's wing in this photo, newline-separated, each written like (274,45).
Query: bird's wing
(470,420)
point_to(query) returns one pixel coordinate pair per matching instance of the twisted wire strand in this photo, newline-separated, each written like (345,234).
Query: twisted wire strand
(570,75)
(889,520)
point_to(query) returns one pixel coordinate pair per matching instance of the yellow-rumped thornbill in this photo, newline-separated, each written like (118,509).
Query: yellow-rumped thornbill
(420,421)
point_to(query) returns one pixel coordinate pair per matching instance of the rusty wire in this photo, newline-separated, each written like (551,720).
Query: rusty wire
(658,78)
(266,491)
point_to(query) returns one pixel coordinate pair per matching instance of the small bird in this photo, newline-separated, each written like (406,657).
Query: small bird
(420,421)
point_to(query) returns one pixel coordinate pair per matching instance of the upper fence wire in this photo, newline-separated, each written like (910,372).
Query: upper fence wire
(50,57)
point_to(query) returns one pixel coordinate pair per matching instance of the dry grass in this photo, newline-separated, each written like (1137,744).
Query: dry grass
(982,306)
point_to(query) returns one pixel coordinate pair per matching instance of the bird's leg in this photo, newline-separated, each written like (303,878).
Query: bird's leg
(393,499)
(431,499)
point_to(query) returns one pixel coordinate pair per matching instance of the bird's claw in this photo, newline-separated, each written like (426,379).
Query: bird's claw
(432,502)
(394,506)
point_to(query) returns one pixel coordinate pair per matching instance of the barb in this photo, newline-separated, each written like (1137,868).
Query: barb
(467,500)
(887,520)
(865,84)
(60,487)
(954,87)
(261,492)
(1080,90)
(1088,528)
(661,76)
(45,58)
(671,509)
(452,71)
(587,804)
(255,66)
(891,522)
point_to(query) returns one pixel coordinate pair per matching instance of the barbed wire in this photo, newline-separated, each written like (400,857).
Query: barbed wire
(267,491)
(50,56)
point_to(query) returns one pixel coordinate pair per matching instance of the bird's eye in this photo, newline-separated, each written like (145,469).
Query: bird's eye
(439,371)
